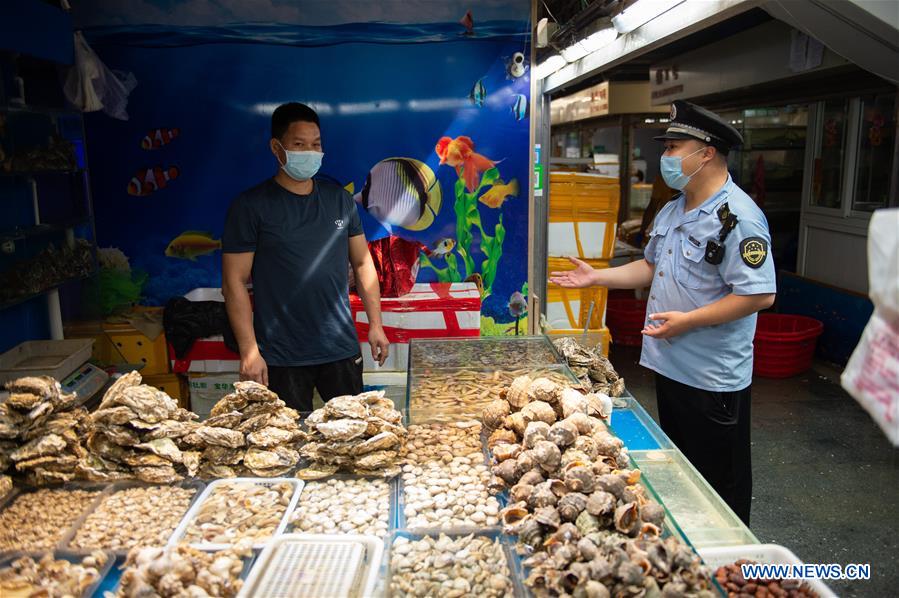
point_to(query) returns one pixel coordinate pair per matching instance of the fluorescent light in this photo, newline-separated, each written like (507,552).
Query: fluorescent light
(549,66)
(642,11)
(599,39)
(368,107)
(574,52)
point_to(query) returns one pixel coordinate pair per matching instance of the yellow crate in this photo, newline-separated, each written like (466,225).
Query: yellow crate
(104,352)
(136,347)
(173,385)
(587,235)
(599,337)
(569,308)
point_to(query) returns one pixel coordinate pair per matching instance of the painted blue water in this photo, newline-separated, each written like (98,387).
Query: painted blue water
(165,36)
(631,430)
(375,100)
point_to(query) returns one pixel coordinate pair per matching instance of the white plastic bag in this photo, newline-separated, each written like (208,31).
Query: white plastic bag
(91,86)
(872,374)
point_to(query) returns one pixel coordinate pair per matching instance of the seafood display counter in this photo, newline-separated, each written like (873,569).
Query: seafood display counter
(504,471)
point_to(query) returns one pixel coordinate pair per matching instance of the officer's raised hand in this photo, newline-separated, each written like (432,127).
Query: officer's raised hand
(672,324)
(581,276)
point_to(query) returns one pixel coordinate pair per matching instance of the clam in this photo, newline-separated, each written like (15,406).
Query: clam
(548,516)
(627,518)
(547,455)
(539,411)
(571,505)
(517,393)
(580,478)
(494,412)
(535,432)
(562,433)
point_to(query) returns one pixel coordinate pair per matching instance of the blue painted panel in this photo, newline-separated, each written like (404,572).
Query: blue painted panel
(631,430)
(35,28)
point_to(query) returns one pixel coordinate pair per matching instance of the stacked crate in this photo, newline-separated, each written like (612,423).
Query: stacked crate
(583,221)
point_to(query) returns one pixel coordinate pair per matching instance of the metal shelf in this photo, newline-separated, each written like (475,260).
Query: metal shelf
(25,109)
(30,173)
(56,285)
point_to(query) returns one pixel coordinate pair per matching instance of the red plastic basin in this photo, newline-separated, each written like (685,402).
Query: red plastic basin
(784,345)
(625,319)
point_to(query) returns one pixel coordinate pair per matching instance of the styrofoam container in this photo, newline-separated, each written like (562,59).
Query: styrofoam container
(66,555)
(66,541)
(766,554)
(45,358)
(208,389)
(198,504)
(316,565)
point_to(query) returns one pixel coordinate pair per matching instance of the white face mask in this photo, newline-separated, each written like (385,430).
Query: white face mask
(301,165)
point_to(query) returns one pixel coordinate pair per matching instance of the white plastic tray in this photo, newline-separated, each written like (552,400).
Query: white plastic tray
(316,566)
(45,358)
(766,554)
(198,504)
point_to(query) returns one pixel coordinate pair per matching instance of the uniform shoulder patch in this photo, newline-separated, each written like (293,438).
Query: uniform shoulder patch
(753,250)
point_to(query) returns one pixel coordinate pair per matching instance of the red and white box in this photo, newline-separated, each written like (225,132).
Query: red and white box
(430,310)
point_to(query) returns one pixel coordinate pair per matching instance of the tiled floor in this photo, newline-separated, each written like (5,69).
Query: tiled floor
(825,478)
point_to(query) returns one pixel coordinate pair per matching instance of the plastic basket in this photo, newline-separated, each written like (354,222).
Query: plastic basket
(625,319)
(316,565)
(767,554)
(72,557)
(198,504)
(784,344)
(45,358)
(66,542)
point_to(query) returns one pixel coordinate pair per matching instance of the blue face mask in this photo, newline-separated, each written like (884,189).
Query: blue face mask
(302,166)
(673,170)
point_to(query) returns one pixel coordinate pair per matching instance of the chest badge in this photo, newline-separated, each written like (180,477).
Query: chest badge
(340,224)
(753,250)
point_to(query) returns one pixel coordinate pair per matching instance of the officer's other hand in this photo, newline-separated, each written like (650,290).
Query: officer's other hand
(581,276)
(253,367)
(672,324)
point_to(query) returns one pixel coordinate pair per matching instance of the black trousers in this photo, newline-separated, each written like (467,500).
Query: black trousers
(712,429)
(295,384)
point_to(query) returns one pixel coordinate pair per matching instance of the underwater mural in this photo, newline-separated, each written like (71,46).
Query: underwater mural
(424,110)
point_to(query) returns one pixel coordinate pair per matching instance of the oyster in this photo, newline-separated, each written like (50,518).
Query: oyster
(378,442)
(122,435)
(163,447)
(220,455)
(376,459)
(170,428)
(191,462)
(270,436)
(24,400)
(253,391)
(210,471)
(342,429)
(316,472)
(279,456)
(220,436)
(346,407)
(118,387)
(39,447)
(225,420)
(229,403)
(113,415)
(149,404)
(165,474)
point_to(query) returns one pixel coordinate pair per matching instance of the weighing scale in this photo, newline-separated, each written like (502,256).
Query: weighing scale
(86,381)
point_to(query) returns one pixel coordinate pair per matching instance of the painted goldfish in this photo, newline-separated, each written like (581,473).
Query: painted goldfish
(499,193)
(459,153)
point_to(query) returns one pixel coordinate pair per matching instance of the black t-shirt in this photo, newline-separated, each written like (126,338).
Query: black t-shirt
(301,312)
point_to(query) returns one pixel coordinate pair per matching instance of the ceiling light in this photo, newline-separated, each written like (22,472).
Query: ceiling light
(599,39)
(549,66)
(640,12)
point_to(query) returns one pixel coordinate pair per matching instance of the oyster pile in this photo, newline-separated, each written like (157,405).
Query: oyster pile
(38,520)
(456,395)
(235,512)
(50,577)
(445,477)
(138,432)
(360,434)
(133,517)
(250,432)
(570,488)
(591,367)
(182,571)
(451,567)
(344,506)
(41,432)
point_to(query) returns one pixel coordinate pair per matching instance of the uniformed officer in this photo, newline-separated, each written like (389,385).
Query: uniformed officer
(709,266)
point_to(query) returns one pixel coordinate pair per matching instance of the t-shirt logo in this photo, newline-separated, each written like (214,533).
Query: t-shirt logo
(340,224)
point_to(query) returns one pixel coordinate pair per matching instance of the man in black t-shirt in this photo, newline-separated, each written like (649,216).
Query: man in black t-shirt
(293,236)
